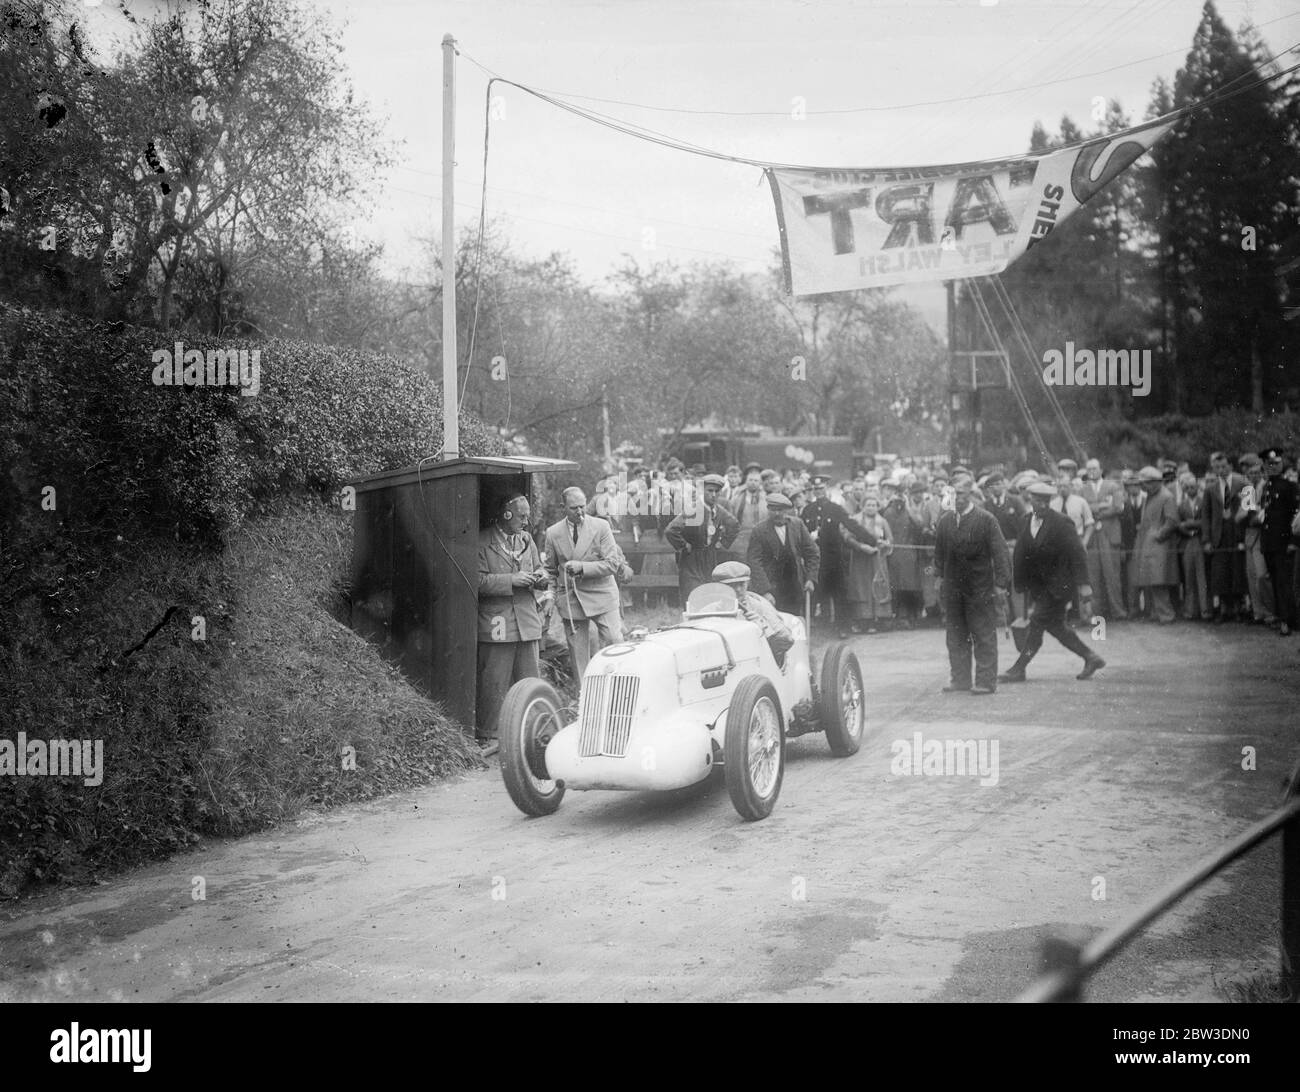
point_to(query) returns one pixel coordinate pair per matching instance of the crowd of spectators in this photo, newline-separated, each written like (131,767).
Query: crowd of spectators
(1212,543)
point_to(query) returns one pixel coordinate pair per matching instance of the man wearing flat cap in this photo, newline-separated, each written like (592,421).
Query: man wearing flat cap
(700,535)
(970,555)
(758,610)
(824,518)
(783,558)
(1050,565)
(1279,504)
(1156,554)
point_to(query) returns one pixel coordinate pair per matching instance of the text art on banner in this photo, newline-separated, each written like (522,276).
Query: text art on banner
(848,228)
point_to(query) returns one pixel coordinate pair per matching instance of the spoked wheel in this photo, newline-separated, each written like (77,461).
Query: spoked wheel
(843,709)
(754,749)
(530,717)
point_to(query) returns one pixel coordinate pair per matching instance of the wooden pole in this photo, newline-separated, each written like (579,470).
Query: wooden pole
(450,396)
(954,399)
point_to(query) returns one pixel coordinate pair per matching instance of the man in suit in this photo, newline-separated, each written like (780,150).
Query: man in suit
(582,559)
(1105,550)
(510,577)
(1226,571)
(1130,516)
(782,557)
(700,536)
(1051,567)
(1279,504)
(749,506)
(824,518)
(1249,519)
(970,557)
(1156,554)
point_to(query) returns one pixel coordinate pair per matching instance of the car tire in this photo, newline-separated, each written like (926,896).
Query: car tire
(530,716)
(754,748)
(841,709)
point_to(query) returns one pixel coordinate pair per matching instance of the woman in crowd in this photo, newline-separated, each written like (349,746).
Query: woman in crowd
(866,582)
(905,526)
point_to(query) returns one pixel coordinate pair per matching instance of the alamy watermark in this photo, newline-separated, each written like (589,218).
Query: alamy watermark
(1103,368)
(919,757)
(182,367)
(82,758)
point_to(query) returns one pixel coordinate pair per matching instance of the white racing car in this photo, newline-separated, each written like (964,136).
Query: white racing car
(661,711)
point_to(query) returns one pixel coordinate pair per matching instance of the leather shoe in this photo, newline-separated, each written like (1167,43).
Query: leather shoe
(1012,676)
(950,689)
(1091,666)
(983,689)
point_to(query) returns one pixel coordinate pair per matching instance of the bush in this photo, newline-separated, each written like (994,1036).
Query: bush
(170,503)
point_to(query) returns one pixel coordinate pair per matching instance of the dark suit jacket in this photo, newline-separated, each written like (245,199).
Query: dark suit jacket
(1217,527)
(1053,564)
(1280,501)
(971,555)
(766,554)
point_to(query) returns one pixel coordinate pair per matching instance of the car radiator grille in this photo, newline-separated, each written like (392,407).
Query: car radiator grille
(608,705)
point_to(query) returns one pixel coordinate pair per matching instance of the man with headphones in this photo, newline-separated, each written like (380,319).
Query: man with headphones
(510,578)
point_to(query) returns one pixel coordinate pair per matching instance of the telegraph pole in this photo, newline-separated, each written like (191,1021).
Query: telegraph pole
(450,397)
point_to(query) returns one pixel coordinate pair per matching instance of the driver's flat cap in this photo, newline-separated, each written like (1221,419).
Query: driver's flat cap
(731,571)
(778,500)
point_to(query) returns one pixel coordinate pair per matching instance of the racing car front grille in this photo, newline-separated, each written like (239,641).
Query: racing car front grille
(608,706)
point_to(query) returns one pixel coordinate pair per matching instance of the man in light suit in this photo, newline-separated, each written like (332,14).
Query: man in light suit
(1106,549)
(582,559)
(510,579)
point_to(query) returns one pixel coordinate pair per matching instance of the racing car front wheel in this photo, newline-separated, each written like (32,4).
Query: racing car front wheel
(843,712)
(530,717)
(754,748)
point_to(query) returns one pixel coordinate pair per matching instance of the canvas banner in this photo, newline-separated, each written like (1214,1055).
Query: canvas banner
(849,228)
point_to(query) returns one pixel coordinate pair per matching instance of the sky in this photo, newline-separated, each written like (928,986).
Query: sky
(735,76)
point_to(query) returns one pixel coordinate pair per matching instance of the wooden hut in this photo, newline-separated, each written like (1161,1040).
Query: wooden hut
(415,565)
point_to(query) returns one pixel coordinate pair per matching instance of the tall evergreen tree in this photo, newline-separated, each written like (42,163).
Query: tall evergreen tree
(1226,181)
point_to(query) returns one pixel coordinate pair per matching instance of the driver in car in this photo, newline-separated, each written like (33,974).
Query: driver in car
(755,608)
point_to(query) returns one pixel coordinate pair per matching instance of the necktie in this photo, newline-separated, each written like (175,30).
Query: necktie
(575,534)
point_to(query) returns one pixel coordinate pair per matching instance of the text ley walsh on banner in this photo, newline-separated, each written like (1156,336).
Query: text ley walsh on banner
(844,229)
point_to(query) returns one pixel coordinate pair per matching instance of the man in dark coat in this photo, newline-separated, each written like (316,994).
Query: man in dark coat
(824,518)
(701,535)
(782,557)
(970,556)
(1050,563)
(1220,534)
(1279,505)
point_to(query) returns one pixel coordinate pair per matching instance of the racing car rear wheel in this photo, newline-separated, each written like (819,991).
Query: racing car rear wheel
(530,716)
(843,712)
(754,748)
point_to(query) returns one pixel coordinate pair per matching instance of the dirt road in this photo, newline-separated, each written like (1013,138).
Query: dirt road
(864,884)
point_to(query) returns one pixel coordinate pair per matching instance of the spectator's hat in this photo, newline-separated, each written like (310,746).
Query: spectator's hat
(1039,489)
(916,487)
(778,500)
(731,572)
(821,479)
(1150,474)
(715,479)
(994,478)
(1066,464)
(1128,477)
(959,469)
(698,469)
(753,466)
(1270,453)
